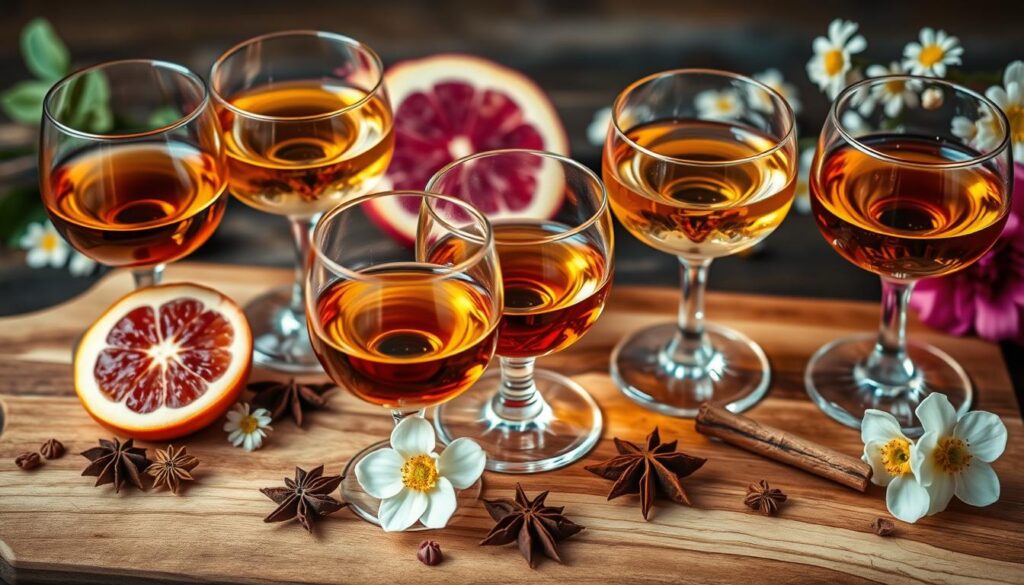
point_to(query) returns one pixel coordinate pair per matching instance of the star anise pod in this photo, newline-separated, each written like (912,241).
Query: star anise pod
(764,498)
(172,467)
(52,449)
(648,469)
(289,397)
(116,462)
(307,497)
(532,525)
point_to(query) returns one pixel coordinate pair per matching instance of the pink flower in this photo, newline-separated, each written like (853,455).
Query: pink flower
(986,298)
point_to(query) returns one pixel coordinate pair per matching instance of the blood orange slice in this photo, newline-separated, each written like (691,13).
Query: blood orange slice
(450,106)
(164,361)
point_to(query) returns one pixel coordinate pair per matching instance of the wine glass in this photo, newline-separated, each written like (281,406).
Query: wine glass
(699,164)
(148,189)
(919,195)
(556,265)
(396,330)
(307,124)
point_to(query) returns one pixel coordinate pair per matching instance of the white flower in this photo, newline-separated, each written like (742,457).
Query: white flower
(45,246)
(889,452)
(802,197)
(414,483)
(719,105)
(854,124)
(831,61)
(597,131)
(953,456)
(762,101)
(1009,97)
(247,429)
(933,54)
(81,265)
(893,94)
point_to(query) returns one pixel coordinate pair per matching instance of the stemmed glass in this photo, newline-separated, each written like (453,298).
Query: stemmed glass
(307,124)
(699,164)
(920,195)
(556,266)
(149,190)
(396,330)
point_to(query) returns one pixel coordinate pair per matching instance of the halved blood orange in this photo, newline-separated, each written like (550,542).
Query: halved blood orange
(450,106)
(164,361)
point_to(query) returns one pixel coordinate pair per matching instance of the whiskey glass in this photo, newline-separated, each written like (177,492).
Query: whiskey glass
(395,330)
(149,190)
(307,124)
(699,164)
(921,195)
(556,267)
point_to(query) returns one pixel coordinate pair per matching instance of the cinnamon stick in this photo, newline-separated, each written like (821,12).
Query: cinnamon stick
(779,445)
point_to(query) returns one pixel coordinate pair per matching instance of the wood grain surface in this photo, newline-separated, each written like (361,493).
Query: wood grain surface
(55,527)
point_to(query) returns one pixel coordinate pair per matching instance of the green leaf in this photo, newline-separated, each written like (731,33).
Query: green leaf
(44,53)
(84,104)
(163,116)
(24,102)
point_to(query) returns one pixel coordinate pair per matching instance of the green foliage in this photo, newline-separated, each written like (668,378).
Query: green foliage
(44,53)
(23,103)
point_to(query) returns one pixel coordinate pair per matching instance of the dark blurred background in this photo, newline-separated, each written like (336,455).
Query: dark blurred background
(581,52)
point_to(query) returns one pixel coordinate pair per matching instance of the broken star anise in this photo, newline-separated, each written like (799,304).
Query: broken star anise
(647,470)
(289,397)
(116,462)
(172,467)
(307,497)
(764,498)
(532,525)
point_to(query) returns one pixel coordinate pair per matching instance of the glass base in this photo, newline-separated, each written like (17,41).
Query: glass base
(366,506)
(734,376)
(837,381)
(280,339)
(567,428)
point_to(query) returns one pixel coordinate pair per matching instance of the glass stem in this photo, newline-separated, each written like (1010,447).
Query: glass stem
(398,415)
(518,399)
(889,365)
(691,347)
(148,276)
(301,231)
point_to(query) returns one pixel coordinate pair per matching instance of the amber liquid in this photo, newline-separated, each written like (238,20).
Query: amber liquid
(554,291)
(406,341)
(908,222)
(299,167)
(136,204)
(699,211)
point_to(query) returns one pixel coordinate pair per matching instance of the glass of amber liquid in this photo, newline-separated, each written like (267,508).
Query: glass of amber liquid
(699,164)
(307,124)
(920,196)
(394,329)
(146,192)
(556,267)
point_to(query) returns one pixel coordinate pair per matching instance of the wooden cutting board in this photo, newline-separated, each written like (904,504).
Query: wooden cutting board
(56,527)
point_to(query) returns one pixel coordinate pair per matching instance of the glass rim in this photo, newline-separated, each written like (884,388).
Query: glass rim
(542,154)
(778,142)
(848,92)
(487,239)
(182,120)
(336,37)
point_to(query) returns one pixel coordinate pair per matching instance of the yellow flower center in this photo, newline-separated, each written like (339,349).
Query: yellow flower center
(834,62)
(49,242)
(952,455)
(1015,114)
(724,104)
(248,424)
(894,87)
(420,473)
(931,55)
(896,457)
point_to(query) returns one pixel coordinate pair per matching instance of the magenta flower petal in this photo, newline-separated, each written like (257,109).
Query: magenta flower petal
(996,318)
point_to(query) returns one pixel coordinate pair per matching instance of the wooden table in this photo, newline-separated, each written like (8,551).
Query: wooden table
(55,527)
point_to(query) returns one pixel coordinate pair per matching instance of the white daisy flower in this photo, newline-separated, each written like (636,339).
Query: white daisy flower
(1009,97)
(854,124)
(935,51)
(597,131)
(802,197)
(45,246)
(414,483)
(719,105)
(953,456)
(889,452)
(762,101)
(247,429)
(80,264)
(893,94)
(831,61)
(965,129)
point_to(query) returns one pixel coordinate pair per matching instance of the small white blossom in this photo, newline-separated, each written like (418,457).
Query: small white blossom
(889,453)
(762,101)
(45,246)
(80,264)
(933,54)
(597,131)
(1009,97)
(831,65)
(719,105)
(247,429)
(892,95)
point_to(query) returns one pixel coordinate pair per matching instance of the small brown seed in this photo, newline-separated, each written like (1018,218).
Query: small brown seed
(52,449)
(430,553)
(883,526)
(28,460)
